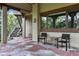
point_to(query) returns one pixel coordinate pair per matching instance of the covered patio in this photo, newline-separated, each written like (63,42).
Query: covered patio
(54,19)
(27,47)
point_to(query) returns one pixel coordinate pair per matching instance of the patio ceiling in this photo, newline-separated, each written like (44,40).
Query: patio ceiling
(45,8)
(21,6)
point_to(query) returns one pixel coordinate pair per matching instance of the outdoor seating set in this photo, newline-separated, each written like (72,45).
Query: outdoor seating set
(64,39)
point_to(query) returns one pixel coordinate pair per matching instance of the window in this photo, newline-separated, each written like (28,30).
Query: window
(49,22)
(43,22)
(46,22)
(69,22)
(76,20)
(61,22)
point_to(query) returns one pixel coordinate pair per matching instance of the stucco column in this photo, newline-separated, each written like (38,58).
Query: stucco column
(23,26)
(35,19)
(4,31)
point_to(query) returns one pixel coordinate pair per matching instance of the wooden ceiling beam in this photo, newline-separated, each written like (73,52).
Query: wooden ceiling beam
(16,8)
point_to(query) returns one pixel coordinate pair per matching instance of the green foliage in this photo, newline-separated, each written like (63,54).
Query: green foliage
(60,25)
(12,22)
(43,23)
(50,23)
(60,22)
(46,23)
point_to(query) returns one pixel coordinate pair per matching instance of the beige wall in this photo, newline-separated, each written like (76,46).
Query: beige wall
(74,37)
(51,6)
(28,28)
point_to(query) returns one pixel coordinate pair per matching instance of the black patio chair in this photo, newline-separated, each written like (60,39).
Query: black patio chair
(64,39)
(43,37)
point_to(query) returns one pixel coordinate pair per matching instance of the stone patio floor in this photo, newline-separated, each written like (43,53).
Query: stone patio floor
(27,47)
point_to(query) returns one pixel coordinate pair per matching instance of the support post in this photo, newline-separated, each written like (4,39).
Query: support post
(72,14)
(23,26)
(35,20)
(66,19)
(54,21)
(4,31)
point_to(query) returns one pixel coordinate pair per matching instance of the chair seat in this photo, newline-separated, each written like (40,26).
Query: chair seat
(64,41)
(41,38)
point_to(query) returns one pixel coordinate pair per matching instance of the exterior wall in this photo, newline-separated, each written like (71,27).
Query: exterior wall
(51,6)
(47,7)
(28,28)
(74,37)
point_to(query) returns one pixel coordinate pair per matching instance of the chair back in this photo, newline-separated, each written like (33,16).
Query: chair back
(66,36)
(44,34)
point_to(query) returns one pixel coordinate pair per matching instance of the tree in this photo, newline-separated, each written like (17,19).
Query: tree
(12,22)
